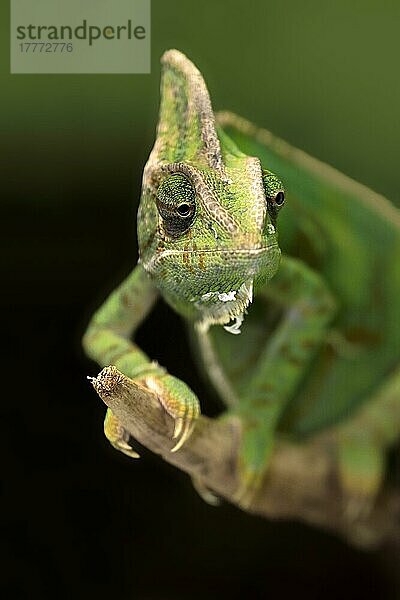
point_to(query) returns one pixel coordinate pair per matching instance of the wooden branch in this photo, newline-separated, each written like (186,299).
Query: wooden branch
(300,483)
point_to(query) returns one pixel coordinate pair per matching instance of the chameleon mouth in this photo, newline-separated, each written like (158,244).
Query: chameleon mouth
(242,253)
(246,251)
(213,286)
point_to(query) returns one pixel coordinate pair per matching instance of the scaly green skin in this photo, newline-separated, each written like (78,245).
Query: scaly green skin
(320,346)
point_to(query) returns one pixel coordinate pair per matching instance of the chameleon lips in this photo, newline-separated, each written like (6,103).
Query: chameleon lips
(241,253)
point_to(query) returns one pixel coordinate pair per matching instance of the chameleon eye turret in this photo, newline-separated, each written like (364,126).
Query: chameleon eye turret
(274,204)
(274,193)
(176,204)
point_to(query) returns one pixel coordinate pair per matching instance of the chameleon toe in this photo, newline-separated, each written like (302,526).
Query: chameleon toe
(117,435)
(126,449)
(248,488)
(185,427)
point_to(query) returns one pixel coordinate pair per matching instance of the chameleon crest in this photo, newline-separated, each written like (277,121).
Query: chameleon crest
(204,207)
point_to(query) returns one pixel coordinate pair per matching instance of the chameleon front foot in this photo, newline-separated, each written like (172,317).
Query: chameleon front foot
(117,435)
(179,402)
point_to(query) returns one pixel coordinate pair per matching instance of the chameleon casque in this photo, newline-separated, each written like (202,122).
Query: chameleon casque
(319,342)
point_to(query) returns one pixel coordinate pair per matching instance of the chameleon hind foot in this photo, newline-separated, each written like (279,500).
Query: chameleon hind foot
(117,435)
(179,402)
(362,443)
(361,468)
(249,485)
(253,459)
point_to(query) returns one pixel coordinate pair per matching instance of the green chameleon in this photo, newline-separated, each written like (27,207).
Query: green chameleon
(320,335)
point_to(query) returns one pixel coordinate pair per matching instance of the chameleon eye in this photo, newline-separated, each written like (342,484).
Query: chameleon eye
(184,210)
(176,204)
(274,193)
(279,198)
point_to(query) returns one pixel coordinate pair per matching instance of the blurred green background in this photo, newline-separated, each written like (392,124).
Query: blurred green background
(324,76)
(78,517)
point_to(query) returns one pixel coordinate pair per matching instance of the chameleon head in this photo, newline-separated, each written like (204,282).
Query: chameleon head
(206,222)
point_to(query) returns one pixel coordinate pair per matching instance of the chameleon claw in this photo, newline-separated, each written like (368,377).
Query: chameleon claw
(179,402)
(126,449)
(185,427)
(118,436)
(179,444)
(187,430)
(178,427)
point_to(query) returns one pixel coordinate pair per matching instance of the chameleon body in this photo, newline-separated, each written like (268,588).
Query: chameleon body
(319,342)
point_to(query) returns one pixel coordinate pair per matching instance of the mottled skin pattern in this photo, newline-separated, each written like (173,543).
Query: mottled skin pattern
(320,344)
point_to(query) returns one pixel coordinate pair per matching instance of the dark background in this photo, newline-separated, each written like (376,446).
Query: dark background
(80,520)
